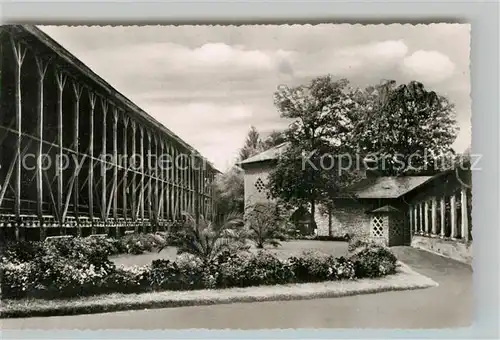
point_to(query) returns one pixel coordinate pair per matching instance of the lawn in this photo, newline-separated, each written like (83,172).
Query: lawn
(287,249)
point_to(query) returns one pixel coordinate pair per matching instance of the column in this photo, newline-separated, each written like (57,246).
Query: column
(126,169)
(19,55)
(197,192)
(115,164)
(168,186)
(434,216)
(42,69)
(142,196)
(173,192)
(61,81)
(157,183)
(453,215)
(464,215)
(92,99)
(190,185)
(415,219)
(134,174)
(104,204)
(421,220)
(442,212)
(150,191)
(77,91)
(426,217)
(182,173)
(161,166)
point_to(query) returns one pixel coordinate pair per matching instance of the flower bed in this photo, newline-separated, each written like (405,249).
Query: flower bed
(81,266)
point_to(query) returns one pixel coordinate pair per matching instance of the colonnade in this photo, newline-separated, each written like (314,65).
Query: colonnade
(77,154)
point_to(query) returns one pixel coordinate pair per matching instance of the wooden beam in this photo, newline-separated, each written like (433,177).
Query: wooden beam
(134,174)
(72,183)
(157,183)
(12,167)
(92,99)
(52,198)
(168,185)
(125,172)
(141,201)
(115,161)
(77,91)
(61,81)
(150,191)
(19,55)
(42,70)
(105,107)
(161,166)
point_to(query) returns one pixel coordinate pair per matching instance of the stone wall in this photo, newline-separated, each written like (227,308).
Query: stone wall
(454,249)
(254,179)
(348,217)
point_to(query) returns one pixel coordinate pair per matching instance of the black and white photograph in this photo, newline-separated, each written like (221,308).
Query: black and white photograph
(236,177)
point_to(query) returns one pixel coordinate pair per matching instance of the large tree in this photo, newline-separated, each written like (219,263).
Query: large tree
(229,192)
(253,144)
(273,139)
(404,127)
(322,114)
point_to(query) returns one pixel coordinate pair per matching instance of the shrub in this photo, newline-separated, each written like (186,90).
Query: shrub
(314,267)
(206,240)
(266,225)
(266,269)
(374,261)
(76,267)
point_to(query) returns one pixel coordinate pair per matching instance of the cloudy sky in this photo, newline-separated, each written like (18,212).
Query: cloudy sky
(209,84)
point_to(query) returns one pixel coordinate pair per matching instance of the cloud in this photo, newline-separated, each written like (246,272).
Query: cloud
(208,84)
(428,66)
(217,131)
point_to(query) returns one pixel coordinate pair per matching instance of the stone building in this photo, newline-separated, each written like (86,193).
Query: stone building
(432,212)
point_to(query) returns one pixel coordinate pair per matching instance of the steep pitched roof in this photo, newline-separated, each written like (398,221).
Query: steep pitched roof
(390,187)
(267,155)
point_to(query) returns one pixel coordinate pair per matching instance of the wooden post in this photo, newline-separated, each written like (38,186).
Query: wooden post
(162,176)
(453,215)
(464,215)
(157,183)
(168,178)
(197,196)
(126,168)
(134,174)
(115,165)
(442,212)
(182,173)
(19,55)
(150,175)
(174,185)
(142,195)
(77,91)
(434,216)
(190,185)
(61,81)
(92,99)
(104,184)
(42,69)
